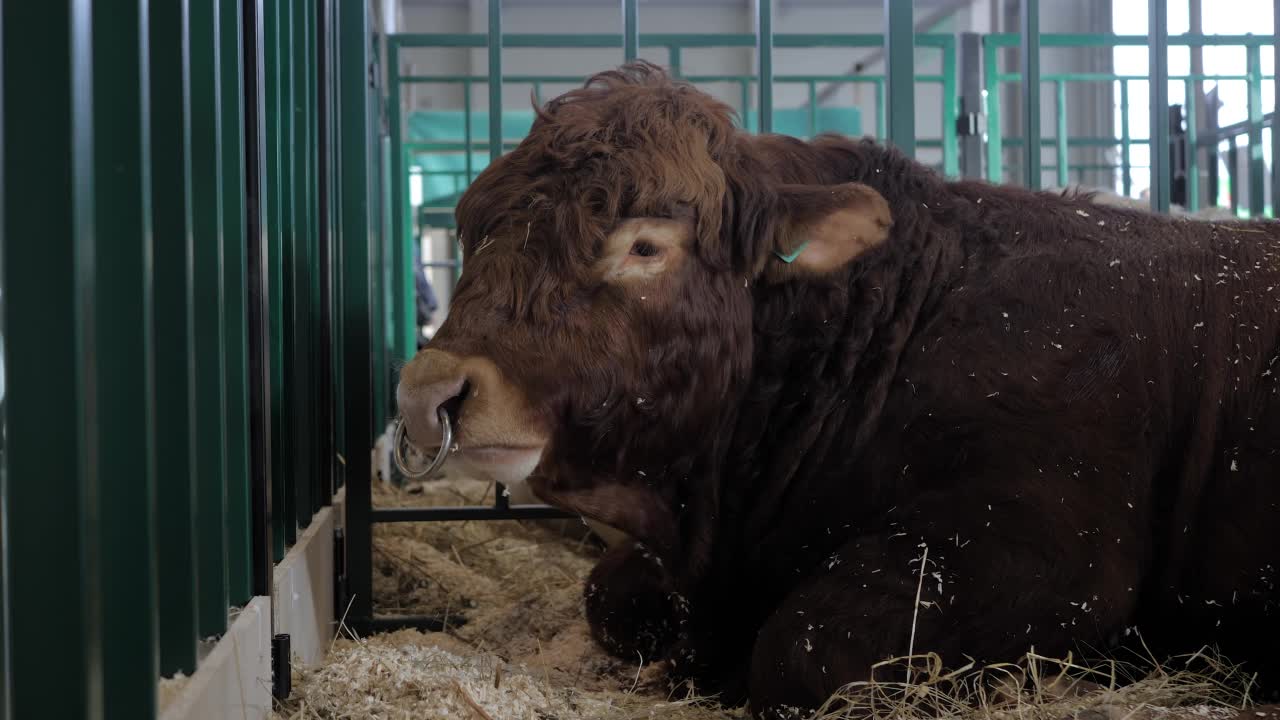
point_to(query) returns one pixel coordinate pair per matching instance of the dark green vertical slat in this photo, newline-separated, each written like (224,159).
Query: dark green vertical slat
(1193,148)
(899,57)
(495,79)
(1158,33)
(49,287)
(288,308)
(259,311)
(1257,161)
(174,341)
(234,247)
(325,474)
(764,48)
(275,62)
(301,420)
(337,268)
(630,30)
(6,662)
(355,160)
(1030,38)
(402,280)
(206,218)
(126,466)
(1062,152)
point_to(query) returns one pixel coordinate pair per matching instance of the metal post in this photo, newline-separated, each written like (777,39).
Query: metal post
(1193,147)
(899,58)
(630,30)
(1030,44)
(764,49)
(970,126)
(995,132)
(495,79)
(401,236)
(1257,166)
(1158,33)
(1061,149)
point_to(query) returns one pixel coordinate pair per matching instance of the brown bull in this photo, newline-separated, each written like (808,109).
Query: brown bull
(787,369)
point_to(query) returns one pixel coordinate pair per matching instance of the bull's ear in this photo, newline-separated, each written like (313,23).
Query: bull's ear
(823,228)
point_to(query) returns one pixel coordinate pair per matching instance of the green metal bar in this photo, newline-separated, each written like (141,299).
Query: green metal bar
(354,162)
(206,217)
(745,89)
(630,30)
(1030,36)
(1060,137)
(1126,162)
(1257,161)
(575,79)
(276,85)
(495,43)
(950,111)
(410,254)
(174,337)
(899,58)
(1193,149)
(1109,77)
(683,40)
(764,52)
(235,243)
(1068,40)
(466,131)
(1158,28)
(401,219)
(126,461)
(674,60)
(995,130)
(881,110)
(49,265)
(812,103)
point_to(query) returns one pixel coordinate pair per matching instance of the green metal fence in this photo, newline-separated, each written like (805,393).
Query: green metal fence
(189,221)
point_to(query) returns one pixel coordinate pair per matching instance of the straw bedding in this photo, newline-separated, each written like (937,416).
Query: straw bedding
(517,647)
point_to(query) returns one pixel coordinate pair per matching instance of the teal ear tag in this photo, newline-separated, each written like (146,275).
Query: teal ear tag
(794,253)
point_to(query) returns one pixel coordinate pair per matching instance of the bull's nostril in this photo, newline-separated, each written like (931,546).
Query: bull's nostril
(453,405)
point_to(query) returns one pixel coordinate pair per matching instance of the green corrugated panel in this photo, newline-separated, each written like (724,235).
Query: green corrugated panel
(301,420)
(275,64)
(235,244)
(49,298)
(6,663)
(126,462)
(206,217)
(355,161)
(175,353)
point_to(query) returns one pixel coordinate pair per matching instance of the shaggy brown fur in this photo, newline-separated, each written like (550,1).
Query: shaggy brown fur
(1071,406)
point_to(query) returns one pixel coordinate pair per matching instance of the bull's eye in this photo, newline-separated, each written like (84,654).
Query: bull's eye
(644,248)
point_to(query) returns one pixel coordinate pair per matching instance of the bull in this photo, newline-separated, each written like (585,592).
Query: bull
(835,401)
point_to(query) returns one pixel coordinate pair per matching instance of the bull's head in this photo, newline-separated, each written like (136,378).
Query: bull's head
(600,335)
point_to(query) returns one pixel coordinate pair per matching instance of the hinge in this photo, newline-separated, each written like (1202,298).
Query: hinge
(969,123)
(281,667)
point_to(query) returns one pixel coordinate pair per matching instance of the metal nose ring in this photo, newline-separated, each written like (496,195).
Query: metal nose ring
(446,442)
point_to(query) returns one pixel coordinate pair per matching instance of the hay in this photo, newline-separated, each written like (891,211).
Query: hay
(517,646)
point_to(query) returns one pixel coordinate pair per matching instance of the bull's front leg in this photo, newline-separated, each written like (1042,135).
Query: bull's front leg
(631,604)
(985,591)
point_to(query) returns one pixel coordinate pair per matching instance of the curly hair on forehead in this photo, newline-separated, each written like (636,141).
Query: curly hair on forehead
(631,141)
